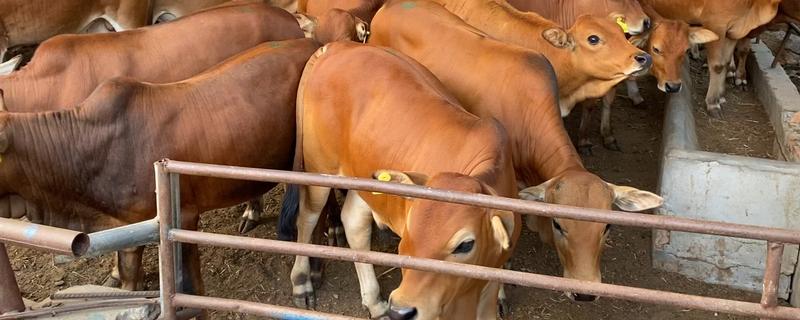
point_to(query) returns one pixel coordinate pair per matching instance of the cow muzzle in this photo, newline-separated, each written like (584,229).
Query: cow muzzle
(401,313)
(672,87)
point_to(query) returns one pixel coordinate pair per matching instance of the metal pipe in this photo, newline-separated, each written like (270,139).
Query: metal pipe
(55,311)
(166,254)
(252,308)
(105,295)
(772,274)
(486,273)
(132,235)
(10,297)
(41,237)
(515,205)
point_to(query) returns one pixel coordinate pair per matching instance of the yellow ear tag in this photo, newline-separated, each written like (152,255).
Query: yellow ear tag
(385,177)
(622,24)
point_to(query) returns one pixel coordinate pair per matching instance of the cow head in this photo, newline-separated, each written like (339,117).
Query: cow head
(450,232)
(336,25)
(579,243)
(601,50)
(667,43)
(629,13)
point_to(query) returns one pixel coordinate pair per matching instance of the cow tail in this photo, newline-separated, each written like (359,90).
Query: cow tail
(290,207)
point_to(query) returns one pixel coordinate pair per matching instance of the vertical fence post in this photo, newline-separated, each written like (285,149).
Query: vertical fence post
(10,297)
(772,275)
(166,248)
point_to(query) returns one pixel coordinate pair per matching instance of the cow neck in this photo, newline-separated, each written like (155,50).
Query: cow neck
(44,146)
(22,93)
(518,27)
(544,149)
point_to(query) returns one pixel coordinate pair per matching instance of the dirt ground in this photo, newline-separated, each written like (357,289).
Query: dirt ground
(743,130)
(264,277)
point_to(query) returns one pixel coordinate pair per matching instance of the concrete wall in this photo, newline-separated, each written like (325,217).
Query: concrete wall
(712,186)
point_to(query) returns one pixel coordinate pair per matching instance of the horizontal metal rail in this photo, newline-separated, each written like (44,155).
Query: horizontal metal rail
(484,273)
(132,235)
(519,206)
(41,237)
(259,309)
(167,181)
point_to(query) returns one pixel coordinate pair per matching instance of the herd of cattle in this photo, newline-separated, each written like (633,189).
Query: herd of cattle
(464,95)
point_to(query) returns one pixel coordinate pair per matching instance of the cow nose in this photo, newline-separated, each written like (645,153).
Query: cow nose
(646,24)
(585,297)
(644,60)
(673,87)
(401,313)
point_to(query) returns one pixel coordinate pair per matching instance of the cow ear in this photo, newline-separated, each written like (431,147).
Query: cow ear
(401,177)
(536,193)
(503,224)
(558,38)
(632,199)
(699,35)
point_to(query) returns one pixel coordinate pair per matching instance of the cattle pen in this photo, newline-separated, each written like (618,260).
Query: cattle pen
(167,187)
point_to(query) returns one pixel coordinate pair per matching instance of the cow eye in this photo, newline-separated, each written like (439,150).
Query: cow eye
(557,226)
(593,40)
(656,50)
(464,247)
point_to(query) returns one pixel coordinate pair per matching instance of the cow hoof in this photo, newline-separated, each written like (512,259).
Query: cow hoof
(502,308)
(317,266)
(112,282)
(306,301)
(611,144)
(741,84)
(715,113)
(585,150)
(247,225)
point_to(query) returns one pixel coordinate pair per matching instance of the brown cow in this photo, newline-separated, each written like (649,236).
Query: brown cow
(91,166)
(168,10)
(67,68)
(353,122)
(589,60)
(730,20)
(525,102)
(32,21)
(333,25)
(667,43)
(566,12)
(363,9)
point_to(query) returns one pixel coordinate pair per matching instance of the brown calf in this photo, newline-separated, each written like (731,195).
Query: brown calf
(667,43)
(525,102)
(566,12)
(353,122)
(589,60)
(90,167)
(730,20)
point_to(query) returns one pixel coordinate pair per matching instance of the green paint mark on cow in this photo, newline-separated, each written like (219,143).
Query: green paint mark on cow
(408,5)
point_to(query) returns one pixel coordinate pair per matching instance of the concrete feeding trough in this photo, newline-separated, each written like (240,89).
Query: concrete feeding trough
(736,189)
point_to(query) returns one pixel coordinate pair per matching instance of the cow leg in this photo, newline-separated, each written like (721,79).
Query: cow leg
(742,51)
(357,220)
(130,14)
(251,217)
(633,92)
(129,262)
(312,201)
(719,53)
(336,235)
(584,144)
(609,141)
(113,279)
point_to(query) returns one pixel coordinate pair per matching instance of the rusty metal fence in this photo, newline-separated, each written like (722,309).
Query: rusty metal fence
(167,190)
